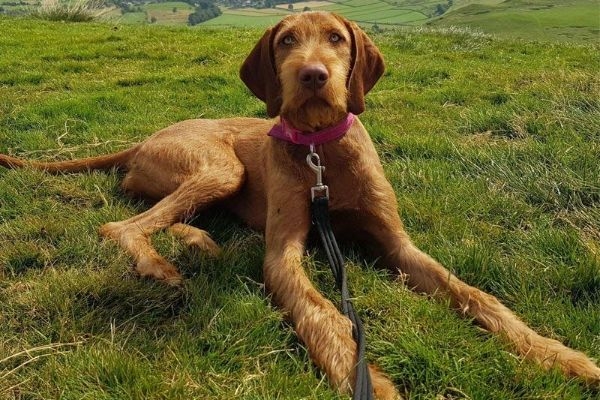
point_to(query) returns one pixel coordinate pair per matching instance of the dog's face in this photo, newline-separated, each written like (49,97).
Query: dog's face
(312,60)
(313,68)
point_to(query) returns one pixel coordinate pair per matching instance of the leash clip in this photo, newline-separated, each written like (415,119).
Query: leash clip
(318,168)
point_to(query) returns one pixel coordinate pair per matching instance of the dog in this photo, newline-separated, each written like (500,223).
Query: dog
(313,71)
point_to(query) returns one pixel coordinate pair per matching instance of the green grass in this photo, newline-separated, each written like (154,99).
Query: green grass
(492,147)
(246,18)
(572,20)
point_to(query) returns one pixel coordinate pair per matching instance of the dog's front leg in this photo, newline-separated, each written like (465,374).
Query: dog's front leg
(326,333)
(424,274)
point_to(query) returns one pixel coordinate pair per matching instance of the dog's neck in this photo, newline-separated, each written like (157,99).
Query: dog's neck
(285,131)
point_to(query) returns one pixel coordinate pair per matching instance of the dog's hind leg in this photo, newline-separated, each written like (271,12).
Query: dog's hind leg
(200,190)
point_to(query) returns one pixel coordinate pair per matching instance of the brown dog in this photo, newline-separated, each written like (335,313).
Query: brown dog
(311,69)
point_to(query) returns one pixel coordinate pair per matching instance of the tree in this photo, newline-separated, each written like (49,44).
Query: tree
(291,7)
(204,11)
(440,9)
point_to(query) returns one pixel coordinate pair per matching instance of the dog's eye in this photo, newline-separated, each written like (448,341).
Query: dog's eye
(335,38)
(288,40)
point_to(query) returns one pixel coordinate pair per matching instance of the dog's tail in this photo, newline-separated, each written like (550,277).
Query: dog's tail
(427,275)
(117,160)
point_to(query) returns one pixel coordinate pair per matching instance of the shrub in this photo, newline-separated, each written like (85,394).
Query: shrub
(69,10)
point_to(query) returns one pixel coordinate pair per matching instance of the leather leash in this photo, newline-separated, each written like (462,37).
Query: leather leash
(363,388)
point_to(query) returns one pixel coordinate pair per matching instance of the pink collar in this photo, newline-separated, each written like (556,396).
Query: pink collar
(285,132)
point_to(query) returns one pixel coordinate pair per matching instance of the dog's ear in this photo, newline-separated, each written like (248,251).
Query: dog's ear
(259,74)
(366,67)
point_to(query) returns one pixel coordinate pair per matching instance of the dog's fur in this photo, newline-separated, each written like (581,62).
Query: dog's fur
(266,182)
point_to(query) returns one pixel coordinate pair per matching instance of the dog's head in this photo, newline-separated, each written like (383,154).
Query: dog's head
(313,68)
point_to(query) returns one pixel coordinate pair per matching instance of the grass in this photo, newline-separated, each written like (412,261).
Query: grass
(246,18)
(493,149)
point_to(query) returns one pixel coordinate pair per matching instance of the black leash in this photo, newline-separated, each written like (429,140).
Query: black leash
(363,389)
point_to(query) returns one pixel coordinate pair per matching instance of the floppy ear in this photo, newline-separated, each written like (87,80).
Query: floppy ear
(366,67)
(259,75)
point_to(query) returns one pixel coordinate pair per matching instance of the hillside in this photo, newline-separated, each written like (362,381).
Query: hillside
(571,20)
(492,147)
(366,12)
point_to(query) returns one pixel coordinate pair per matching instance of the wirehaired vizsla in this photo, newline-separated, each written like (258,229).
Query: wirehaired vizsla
(312,70)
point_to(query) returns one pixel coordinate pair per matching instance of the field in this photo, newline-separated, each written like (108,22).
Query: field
(15,6)
(491,145)
(571,20)
(167,13)
(170,12)
(367,12)
(248,17)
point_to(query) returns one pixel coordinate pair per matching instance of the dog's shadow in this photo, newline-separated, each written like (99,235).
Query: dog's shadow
(220,319)
(208,282)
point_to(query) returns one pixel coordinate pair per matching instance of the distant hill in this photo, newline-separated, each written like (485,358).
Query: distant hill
(367,12)
(571,20)
(545,20)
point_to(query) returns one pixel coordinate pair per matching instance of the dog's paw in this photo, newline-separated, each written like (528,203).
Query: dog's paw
(111,230)
(158,268)
(197,238)
(382,386)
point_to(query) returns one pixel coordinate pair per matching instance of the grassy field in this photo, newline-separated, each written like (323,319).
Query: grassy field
(571,20)
(367,12)
(248,17)
(15,6)
(492,147)
(167,13)
(171,13)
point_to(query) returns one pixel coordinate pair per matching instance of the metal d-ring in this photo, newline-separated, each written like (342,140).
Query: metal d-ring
(318,168)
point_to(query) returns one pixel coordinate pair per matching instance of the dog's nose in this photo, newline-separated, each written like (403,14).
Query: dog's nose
(313,76)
